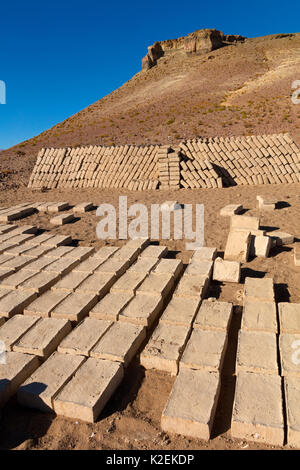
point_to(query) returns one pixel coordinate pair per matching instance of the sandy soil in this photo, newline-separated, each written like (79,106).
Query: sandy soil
(131,420)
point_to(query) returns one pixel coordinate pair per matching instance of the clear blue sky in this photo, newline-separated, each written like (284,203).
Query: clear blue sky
(58,57)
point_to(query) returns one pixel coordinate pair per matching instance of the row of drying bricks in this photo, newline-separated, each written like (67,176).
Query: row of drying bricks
(243,171)
(12,213)
(261,163)
(266,401)
(19,211)
(118,172)
(205,349)
(251,145)
(30,339)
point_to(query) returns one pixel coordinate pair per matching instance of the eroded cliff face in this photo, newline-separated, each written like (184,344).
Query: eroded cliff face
(198,42)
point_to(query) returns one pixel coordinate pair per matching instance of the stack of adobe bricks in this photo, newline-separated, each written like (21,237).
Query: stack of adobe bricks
(248,160)
(125,166)
(198,163)
(168,168)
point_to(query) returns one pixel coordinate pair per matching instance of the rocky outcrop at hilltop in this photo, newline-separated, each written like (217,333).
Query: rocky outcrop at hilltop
(199,42)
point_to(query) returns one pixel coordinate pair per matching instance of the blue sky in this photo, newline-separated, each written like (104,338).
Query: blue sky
(58,57)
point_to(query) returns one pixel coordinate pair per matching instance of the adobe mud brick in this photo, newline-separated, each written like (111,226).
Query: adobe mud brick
(43,207)
(231,209)
(142,310)
(83,338)
(258,409)
(296,256)
(83,207)
(4,273)
(244,221)
(165,347)
(154,251)
(25,229)
(71,281)
(266,204)
(199,268)
(213,315)
(110,307)
(80,253)
(59,252)
(113,266)
(89,265)
(37,240)
(129,282)
(7,228)
(57,207)
(139,243)
(180,311)
(5,257)
(8,216)
(127,253)
(237,246)
(4,292)
(5,237)
(97,283)
(14,329)
(205,350)
(192,286)
(259,289)
(44,337)
(289,317)
(156,284)
(281,238)
(289,346)
(204,253)
(40,389)
(120,343)
(12,238)
(143,265)
(106,252)
(62,219)
(28,251)
(259,316)
(226,271)
(85,396)
(6,246)
(40,282)
(292,393)
(173,267)
(16,369)
(192,404)
(257,352)
(43,305)
(260,246)
(75,306)
(20,239)
(14,302)
(37,265)
(61,266)
(57,240)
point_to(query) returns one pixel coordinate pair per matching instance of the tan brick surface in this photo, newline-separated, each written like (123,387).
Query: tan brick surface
(258,409)
(165,347)
(40,389)
(87,393)
(191,406)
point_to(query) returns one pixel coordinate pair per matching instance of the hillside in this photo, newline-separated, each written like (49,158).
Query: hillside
(241,89)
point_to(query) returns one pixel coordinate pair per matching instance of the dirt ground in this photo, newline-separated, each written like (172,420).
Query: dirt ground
(131,419)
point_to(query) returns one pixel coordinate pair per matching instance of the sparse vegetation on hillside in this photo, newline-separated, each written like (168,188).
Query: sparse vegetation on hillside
(245,89)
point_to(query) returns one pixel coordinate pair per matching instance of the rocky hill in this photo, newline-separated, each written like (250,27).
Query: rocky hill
(205,84)
(198,42)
